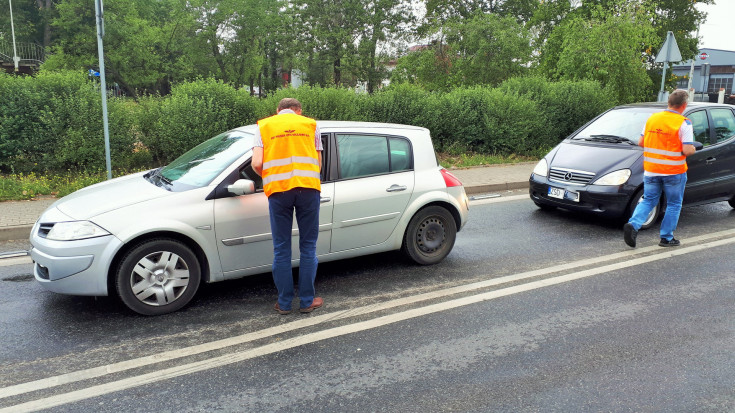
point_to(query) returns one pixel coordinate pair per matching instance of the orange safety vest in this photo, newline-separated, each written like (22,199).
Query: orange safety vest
(290,159)
(662,145)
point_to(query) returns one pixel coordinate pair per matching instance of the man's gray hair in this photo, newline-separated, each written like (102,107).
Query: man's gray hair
(677,98)
(289,103)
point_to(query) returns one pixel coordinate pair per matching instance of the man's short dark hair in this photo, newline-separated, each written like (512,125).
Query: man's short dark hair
(289,103)
(677,98)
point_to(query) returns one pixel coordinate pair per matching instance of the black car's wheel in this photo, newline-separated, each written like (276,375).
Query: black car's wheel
(430,235)
(158,276)
(731,201)
(544,207)
(655,212)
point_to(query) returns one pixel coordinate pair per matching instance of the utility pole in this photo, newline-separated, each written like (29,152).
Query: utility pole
(16,59)
(103,85)
(691,69)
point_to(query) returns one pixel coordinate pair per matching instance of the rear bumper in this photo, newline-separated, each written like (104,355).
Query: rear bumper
(606,201)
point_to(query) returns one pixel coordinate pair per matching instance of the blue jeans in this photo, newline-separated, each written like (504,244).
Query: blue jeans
(281,206)
(673,187)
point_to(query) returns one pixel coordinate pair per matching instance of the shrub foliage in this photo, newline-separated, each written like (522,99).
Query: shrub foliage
(52,122)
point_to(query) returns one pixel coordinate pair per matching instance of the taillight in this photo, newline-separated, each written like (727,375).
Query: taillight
(450,179)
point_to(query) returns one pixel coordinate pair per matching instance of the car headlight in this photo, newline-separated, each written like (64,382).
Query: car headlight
(74,230)
(614,178)
(542,168)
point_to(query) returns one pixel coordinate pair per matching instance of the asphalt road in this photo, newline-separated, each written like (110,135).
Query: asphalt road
(532,311)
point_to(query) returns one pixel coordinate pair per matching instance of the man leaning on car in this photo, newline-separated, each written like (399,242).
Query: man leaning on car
(666,140)
(288,155)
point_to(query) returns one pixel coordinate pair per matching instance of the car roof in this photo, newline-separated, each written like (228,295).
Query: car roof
(327,125)
(663,105)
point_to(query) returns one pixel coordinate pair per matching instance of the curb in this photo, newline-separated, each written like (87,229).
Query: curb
(23,232)
(16,232)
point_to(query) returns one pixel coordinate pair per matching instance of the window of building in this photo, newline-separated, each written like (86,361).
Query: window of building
(720,81)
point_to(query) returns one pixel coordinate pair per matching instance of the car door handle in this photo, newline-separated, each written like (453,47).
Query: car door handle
(324,199)
(396,188)
(710,160)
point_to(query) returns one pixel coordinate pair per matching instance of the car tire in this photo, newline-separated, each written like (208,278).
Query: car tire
(430,235)
(544,207)
(158,276)
(652,217)
(731,201)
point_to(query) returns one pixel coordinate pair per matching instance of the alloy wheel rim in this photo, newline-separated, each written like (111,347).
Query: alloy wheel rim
(159,278)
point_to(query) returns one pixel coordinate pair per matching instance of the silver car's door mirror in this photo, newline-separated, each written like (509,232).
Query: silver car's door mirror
(241,187)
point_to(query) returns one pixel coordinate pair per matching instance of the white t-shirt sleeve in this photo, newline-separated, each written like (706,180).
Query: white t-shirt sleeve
(686,132)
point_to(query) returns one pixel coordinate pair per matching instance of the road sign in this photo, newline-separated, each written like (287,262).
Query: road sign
(669,51)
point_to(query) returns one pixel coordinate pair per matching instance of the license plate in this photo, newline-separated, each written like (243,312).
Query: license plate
(561,193)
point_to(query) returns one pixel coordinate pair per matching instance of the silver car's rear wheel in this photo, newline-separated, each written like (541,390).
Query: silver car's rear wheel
(430,235)
(158,276)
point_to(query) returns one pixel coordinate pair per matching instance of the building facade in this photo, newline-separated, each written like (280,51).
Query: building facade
(713,69)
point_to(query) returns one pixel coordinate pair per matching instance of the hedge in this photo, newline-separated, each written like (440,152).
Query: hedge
(52,122)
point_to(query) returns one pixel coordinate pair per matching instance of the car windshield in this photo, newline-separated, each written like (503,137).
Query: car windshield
(199,166)
(617,125)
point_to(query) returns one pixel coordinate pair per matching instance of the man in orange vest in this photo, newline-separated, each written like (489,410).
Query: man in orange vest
(288,155)
(666,140)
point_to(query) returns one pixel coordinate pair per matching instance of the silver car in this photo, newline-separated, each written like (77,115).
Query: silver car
(154,236)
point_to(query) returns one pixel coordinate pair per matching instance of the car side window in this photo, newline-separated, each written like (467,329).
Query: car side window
(724,123)
(700,124)
(365,155)
(249,173)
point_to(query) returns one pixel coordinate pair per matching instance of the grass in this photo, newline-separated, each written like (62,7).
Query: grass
(466,160)
(15,187)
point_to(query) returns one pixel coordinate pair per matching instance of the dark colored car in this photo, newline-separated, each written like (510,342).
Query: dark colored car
(599,168)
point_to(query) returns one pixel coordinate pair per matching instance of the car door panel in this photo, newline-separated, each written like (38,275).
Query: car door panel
(367,210)
(243,231)
(699,164)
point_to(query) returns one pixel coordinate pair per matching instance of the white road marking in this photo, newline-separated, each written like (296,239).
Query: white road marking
(226,359)
(501,199)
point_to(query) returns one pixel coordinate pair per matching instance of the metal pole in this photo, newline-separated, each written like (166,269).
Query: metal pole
(16,59)
(691,72)
(103,86)
(663,79)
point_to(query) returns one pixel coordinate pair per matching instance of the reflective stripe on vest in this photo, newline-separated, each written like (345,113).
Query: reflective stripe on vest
(290,159)
(662,150)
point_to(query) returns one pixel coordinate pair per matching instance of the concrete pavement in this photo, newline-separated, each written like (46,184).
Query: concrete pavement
(17,217)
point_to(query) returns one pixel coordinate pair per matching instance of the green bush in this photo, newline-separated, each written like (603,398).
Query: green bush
(52,122)
(191,114)
(566,105)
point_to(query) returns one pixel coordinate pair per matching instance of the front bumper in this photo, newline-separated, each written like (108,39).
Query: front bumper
(603,200)
(73,267)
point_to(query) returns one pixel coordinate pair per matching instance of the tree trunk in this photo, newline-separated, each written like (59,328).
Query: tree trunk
(337,72)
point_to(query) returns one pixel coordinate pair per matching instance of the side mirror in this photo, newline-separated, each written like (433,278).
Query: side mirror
(698,145)
(241,187)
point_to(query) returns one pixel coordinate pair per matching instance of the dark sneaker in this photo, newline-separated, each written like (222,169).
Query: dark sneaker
(318,302)
(630,234)
(282,312)
(669,243)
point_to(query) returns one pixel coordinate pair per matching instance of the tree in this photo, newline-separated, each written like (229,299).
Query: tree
(485,49)
(382,21)
(148,45)
(606,47)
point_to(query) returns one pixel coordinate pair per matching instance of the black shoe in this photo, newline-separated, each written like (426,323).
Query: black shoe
(630,234)
(666,243)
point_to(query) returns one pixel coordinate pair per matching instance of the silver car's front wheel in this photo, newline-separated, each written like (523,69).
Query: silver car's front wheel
(158,276)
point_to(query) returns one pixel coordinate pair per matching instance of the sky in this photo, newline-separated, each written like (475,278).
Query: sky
(717,31)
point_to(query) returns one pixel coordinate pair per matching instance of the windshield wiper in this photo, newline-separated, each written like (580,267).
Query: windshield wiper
(610,138)
(155,177)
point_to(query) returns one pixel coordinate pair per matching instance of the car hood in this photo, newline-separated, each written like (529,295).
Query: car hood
(109,195)
(594,158)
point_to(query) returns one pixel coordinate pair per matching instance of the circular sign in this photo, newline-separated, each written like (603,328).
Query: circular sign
(703,55)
